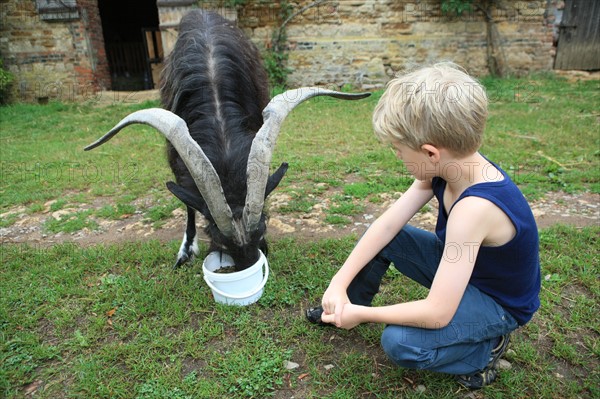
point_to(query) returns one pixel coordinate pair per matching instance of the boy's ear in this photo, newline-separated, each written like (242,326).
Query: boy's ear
(432,152)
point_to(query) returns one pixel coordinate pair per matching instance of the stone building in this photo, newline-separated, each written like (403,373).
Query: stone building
(53,50)
(71,49)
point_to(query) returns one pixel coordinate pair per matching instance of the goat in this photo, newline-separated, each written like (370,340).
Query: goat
(219,144)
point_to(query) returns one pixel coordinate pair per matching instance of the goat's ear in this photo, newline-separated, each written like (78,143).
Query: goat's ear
(275,178)
(187,197)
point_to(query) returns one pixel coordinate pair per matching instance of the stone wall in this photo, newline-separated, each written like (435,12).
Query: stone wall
(170,13)
(58,56)
(363,43)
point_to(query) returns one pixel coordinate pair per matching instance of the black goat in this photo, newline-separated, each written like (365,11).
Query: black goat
(214,87)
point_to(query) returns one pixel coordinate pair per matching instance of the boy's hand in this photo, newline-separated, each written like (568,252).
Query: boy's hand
(349,318)
(333,302)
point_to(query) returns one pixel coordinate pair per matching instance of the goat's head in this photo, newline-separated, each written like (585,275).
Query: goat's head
(239,232)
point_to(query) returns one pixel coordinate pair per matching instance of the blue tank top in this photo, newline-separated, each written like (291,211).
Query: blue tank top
(509,273)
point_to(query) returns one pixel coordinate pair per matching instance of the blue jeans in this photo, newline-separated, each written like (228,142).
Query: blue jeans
(465,344)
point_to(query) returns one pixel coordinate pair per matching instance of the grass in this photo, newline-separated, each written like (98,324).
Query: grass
(116,322)
(542,130)
(38,173)
(70,223)
(551,127)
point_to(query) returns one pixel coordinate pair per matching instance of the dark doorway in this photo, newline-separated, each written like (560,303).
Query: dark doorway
(132,41)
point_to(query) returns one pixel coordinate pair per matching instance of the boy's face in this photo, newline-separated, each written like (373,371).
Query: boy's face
(415,161)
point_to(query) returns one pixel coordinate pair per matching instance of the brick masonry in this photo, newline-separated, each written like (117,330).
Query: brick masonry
(362,43)
(54,59)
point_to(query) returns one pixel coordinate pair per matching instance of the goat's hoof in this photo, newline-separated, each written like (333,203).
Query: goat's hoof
(181,261)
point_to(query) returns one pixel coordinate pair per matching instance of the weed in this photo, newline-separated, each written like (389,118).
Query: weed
(70,223)
(116,212)
(35,208)
(337,220)
(8,220)
(345,206)
(159,213)
(58,205)
(298,203)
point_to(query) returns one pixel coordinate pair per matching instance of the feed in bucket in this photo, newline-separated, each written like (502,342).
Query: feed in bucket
(238,288)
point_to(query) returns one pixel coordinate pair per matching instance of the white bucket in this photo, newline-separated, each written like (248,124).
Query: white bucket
(238,288)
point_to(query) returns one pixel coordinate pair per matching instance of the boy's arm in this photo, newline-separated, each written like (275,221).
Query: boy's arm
(379,234)
(467,227)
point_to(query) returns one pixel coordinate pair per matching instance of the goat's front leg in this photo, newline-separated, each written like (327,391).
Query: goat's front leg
(189,247)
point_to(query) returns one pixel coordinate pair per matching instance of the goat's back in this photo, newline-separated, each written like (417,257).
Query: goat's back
(215,80)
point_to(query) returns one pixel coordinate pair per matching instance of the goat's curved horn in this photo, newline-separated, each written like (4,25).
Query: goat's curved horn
(176,131)
(264,142)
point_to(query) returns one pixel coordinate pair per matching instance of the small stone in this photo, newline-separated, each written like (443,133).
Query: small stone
(538,212)
(421,388)
(29,389)
(60,213)
(290,365)
(48,205)
(178,212)
(283,227)
(328,366)
(504,364)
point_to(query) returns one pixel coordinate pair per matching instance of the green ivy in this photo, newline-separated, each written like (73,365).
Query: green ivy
(456,7)
(276,69)
(276,57)
(6,81)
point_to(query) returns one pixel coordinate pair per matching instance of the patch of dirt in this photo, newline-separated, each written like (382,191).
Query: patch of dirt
(574,76)
(105,98)
(581,209)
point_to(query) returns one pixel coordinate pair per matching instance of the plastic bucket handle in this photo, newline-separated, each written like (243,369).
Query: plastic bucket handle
(245,294)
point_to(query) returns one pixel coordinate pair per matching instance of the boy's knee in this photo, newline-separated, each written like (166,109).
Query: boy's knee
(399,348)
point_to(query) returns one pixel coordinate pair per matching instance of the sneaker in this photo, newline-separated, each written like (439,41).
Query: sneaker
(489,373)
(313,315)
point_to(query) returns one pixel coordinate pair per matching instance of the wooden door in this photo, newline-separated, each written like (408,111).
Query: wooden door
(579,36)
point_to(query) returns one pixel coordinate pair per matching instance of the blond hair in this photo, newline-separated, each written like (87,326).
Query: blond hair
(440,105)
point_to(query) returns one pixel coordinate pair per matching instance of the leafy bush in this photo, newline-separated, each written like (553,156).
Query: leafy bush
(456,6)
(6,81)
(276,69)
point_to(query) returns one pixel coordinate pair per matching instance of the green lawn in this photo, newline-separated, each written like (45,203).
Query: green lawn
(117,322)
